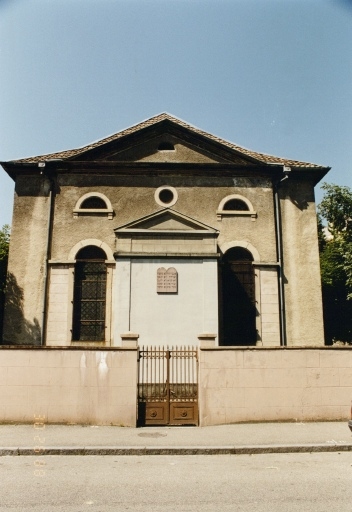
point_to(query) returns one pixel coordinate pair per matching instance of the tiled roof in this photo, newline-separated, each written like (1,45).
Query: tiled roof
(260,157)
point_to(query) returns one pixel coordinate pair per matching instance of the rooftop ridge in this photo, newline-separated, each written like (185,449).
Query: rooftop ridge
(260,157)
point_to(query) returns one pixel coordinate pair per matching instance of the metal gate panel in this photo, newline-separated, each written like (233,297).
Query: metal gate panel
(168,386)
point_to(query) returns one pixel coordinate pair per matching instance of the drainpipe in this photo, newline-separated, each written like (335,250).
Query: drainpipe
(279,249)
(48,247)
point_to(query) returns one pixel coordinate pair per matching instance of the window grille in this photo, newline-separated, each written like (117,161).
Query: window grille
(89,303)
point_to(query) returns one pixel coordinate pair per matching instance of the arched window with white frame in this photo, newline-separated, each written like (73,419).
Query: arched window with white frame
(235,205)
(94,204)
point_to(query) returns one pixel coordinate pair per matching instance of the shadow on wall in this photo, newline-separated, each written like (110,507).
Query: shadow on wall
(17,329)
(3,266)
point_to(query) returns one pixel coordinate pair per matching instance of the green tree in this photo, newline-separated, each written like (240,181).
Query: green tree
(4,251)
(335,244)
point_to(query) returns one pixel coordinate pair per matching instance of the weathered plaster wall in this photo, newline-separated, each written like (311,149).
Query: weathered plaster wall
(68,386)
(274,385)
(304,316)
(133,197)
(26,267)
(147,151)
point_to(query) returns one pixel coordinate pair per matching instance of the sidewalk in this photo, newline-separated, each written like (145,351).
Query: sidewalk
(223,439)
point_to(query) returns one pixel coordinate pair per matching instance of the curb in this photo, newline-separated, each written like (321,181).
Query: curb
(196,450)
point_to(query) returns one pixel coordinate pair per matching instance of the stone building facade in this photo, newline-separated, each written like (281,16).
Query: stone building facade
(167,232)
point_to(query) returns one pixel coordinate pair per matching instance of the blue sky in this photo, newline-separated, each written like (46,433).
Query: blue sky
(272,75)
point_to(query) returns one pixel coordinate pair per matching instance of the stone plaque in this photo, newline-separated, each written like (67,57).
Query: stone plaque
(166,280)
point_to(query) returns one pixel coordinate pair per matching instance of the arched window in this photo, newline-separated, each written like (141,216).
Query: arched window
(235,205)
(93,203)
(89,300)
(238,254)
(238,298)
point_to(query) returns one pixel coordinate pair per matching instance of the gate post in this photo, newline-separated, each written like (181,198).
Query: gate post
(129,340)
(207,340)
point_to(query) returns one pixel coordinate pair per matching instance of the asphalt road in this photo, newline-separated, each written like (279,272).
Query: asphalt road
(317,482)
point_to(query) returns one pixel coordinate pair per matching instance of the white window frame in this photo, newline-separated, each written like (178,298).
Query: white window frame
(108,211)
(220,212)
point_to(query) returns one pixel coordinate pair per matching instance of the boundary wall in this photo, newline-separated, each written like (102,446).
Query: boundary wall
(99,386)
(274,384)
(68,385)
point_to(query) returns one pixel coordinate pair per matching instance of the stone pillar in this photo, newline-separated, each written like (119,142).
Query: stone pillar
(129,340)
(207,340)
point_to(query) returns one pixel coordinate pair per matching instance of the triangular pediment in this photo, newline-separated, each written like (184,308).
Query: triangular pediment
(162,142)
(167,147)
(165,141)
(166,221)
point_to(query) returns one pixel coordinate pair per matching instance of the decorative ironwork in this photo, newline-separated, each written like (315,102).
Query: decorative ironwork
(168,386)
(89,301)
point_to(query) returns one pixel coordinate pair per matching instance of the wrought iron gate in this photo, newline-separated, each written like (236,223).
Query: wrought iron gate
(168,386)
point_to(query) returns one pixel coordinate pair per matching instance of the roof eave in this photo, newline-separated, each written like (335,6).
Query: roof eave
(14,168)
(315,174)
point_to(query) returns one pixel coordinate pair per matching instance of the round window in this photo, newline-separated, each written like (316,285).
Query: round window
(166,196)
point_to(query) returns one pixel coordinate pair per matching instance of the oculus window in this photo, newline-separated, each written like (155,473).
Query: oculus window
(166,196)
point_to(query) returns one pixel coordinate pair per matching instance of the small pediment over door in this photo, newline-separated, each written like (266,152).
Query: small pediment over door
(166,233)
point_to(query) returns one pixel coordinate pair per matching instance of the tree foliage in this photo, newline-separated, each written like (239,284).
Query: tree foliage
(336,208)
(335,244)
(4,251)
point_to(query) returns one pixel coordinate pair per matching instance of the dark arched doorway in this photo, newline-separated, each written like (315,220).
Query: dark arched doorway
(238,298)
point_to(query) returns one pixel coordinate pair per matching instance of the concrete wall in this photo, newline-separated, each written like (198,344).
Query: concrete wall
(235,385)
(68,386)
(242,385)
